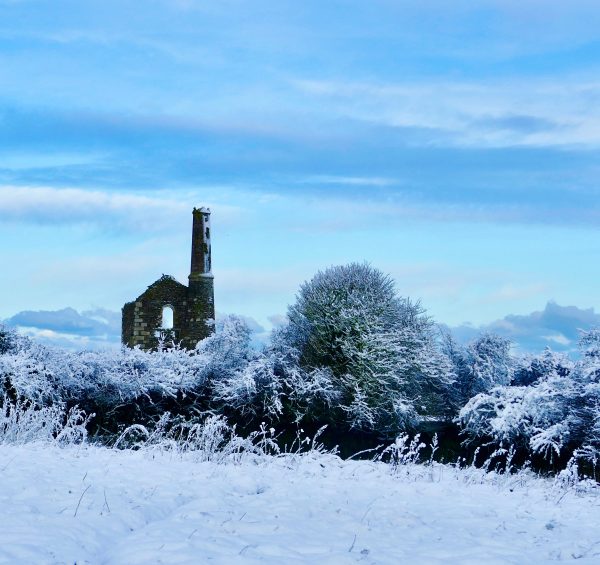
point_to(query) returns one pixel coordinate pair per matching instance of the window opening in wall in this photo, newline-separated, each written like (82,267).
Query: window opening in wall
(167,318)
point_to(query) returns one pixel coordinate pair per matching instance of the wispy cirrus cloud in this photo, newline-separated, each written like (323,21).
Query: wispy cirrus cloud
(116,211)
(413,165)
(472,112)
(349,181)
(376,202)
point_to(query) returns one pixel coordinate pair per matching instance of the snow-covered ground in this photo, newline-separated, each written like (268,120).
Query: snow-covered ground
(95,505)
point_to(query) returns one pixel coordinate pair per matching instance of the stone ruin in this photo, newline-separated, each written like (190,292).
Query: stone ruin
(169,312)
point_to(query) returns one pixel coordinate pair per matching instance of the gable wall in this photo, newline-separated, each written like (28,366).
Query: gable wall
(143,317)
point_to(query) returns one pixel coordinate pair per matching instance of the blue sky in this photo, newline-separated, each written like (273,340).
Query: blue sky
(454,145)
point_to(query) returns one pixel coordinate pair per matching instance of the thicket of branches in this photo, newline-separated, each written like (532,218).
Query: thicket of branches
(353,355)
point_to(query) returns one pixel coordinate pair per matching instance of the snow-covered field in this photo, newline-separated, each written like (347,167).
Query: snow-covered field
(95,505)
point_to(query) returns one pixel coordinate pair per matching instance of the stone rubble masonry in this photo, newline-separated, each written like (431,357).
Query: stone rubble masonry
(193,306)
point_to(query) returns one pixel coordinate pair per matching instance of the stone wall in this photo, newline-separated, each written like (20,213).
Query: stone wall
(142,318)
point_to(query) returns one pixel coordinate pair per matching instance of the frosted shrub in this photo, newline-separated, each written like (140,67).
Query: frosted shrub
(45,375)
(556,417)
(479,366)
(22,423)
(535,418)
(126,385)
(256,389)
(272,385)
(228,350)
(132,385)
(531,368)
(377,347)
(9,340)
(244,381)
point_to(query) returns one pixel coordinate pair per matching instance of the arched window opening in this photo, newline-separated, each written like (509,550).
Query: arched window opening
(167,318)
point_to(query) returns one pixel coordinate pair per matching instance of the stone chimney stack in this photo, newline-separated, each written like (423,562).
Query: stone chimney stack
(201,294)
(201,254)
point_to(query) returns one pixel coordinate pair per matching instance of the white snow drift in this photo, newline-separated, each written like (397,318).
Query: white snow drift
(83,504)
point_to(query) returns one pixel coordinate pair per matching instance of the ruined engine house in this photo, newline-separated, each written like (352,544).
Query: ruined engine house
(171,312)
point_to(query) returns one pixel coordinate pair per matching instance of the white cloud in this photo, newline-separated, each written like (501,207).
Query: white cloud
(500,113)
(92,329)
(558,338)
(350,181)
(557,325)
(154,212)
(333,213)
(277,320)
(517,292)
(68,340)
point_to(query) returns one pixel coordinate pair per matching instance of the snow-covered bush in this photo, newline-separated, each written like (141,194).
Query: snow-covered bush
(45,375)
(479,366)
(376,347)
(273,385)
(9,339)
(589,343)
(242,380)
(130,385)
(228,350)
(556,417)
(533,417)
(531,368)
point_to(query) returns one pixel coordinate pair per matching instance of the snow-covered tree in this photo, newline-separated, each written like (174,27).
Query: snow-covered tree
(8,339)
(377,347)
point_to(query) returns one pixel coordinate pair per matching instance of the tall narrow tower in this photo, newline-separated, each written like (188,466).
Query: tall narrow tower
(201,267)
(201,294)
